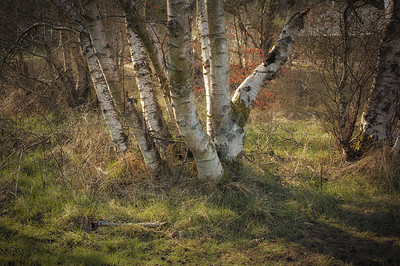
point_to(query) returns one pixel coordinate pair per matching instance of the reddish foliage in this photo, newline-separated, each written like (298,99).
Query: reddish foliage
(252,58)
(237,73)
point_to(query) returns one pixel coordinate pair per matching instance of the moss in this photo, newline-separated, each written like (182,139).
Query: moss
(359,146)
(241,112)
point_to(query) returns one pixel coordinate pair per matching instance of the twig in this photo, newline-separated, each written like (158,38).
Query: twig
(19,169)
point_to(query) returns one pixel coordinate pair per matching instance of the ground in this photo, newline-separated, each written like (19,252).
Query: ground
(291,201)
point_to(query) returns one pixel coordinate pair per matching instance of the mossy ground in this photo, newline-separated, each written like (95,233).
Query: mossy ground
(293,201)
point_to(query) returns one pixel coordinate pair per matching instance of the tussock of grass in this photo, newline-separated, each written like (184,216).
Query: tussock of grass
(290,202)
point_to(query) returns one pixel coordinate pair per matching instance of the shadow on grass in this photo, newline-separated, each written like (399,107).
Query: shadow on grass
(18,247)
(360,233)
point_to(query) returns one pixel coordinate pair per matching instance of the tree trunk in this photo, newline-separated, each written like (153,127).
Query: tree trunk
(137,23)
(231,137)
(152,158)
(101,86)
(382,110)
(147,86)
(221,111)
(67,52)
(146,144)
(64,79)
(103,53)
(180,79)
(205,58)
(109,112)
(83,77)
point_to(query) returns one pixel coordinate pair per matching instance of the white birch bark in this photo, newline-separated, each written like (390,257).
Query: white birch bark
(378,118)
(110,114)
(161,73)
(245,95)
(205,58)
(142,135)
(147,85)
(221,112)
(103,53)
(180,79)
(147,35)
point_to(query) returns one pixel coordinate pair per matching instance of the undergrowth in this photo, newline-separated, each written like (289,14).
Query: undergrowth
(292,201)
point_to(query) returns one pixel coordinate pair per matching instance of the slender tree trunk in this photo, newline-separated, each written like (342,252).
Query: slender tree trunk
(147,85)
(180,79)
(245,95)
(137,22)
(151,156)
(103,53)
(382,110)
(101,86)
(109,112)
(205,57)
(66,40)
(142,135)
(83,76)
(343,118)
(221,111)
(55,58)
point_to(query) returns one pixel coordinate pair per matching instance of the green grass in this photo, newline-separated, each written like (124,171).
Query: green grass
(291,202)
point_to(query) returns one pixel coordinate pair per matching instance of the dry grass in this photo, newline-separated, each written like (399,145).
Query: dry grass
(380,166)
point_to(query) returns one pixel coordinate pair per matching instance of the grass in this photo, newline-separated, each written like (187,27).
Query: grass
(292,202)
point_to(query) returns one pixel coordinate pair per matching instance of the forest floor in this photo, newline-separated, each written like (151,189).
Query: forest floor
(291,201)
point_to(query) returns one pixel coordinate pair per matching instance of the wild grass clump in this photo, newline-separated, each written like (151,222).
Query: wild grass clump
(286,201)
(380,165)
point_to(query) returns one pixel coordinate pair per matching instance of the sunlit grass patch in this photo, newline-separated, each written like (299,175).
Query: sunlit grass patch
(290,201)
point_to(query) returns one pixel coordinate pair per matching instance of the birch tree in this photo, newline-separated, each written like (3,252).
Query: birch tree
(144,78)
(147,85)
(137,23)
(227,116)
(111,115)
(231,140)
(205,58)
(380,120)
(180,79)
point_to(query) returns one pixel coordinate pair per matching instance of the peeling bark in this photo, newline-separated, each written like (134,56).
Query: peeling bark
(137,23)
(245,95)
(147,85)
(221,111)
(381,112)
(103,53)
(205,57)
(180,79)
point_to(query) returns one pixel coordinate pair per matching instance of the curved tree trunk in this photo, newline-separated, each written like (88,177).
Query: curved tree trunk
(230,122)
(142,135)
(110,114)
(180,79)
